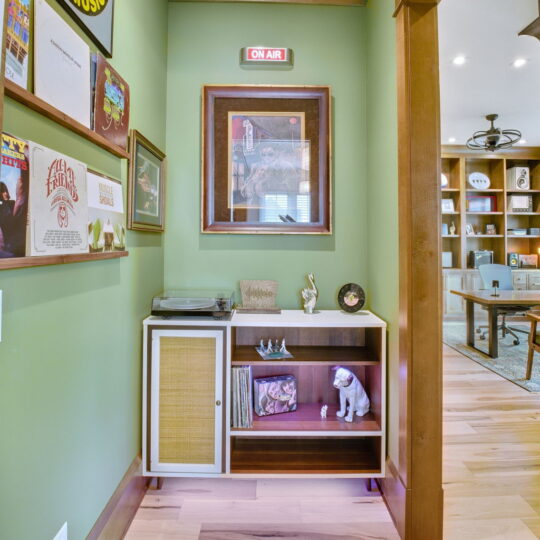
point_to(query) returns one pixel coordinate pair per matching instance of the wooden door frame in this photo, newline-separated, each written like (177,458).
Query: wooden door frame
(413,489)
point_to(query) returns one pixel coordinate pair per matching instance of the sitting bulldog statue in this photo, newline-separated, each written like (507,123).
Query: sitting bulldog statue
(351,391)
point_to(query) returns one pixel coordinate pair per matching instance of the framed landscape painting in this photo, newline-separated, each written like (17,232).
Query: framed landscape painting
(146,188)
(266,160)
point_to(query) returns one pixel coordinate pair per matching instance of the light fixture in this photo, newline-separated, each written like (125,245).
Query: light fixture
(522,141)
(494,138)
(459,60)
(452,140)
(519,62)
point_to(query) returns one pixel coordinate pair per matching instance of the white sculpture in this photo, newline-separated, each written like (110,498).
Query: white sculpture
(270,348)
(351,391)
(324,409)
(310,295)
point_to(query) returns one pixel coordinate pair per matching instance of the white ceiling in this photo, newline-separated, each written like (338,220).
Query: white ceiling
(486,33)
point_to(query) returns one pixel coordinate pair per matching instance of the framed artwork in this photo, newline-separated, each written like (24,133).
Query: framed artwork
(447,206)
(481,203)
(96,18)
(146,186)
(266,160)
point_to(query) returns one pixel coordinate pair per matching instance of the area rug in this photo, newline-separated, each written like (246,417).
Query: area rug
(512,359)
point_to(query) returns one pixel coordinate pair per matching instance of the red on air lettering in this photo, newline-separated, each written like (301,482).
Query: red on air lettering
(264,54)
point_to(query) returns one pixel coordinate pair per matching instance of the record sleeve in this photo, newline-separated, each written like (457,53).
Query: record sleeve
(111,103)
(14,177)
(58,209)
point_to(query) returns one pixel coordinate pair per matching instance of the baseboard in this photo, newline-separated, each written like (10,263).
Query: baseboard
(119,512)
(395,496)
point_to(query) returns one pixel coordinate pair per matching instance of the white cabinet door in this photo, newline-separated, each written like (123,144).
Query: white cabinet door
(186,395)
(519,280)
(453,304)
(533,281)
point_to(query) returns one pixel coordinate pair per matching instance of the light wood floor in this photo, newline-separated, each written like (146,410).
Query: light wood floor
(491,481)
(491,454)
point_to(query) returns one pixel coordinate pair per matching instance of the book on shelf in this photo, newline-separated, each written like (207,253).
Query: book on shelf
(242,410)
(111,104)
(61,64)
(58,208)
(14,179)
(17,40)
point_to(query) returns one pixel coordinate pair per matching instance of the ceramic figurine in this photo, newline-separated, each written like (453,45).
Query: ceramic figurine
(352,392)
(452,228)
(270,348)
(324,409)
(310,295)
(283,349)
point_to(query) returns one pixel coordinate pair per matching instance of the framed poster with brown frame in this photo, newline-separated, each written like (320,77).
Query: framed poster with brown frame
(266,160)
(146,185)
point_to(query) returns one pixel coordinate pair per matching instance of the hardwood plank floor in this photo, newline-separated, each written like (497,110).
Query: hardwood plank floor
(491,481)
(491,454)
(223,509)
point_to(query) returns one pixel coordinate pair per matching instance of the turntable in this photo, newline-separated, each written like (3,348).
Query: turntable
(188,302)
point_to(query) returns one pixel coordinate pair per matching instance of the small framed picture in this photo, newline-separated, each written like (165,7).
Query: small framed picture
(470,229)
(444,229)
(146,185)
(491,229)
(481,203)
(447,206)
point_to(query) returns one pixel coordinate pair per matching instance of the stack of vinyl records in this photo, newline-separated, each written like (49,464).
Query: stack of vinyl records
(242,412)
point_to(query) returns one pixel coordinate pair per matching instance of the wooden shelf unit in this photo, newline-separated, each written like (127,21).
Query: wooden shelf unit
(458,163)
(298,443)
(48,260)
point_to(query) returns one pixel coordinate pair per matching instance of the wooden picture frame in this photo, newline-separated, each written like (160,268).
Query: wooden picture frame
(266,160)
(146,185)
(97,25)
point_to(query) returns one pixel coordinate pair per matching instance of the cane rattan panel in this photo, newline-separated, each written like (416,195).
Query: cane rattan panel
(187,400)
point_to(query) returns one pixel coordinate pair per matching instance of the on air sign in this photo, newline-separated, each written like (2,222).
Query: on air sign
(265,55)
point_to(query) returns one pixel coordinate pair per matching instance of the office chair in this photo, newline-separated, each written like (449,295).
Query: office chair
(503,274)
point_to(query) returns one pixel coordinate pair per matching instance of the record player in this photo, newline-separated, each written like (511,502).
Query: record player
(189,302)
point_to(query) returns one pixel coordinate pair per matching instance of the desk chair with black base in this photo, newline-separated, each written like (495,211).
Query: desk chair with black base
(503,276)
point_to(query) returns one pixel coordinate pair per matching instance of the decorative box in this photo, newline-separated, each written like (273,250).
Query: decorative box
(528,261)
(447,259)
(274,395)
(518,178)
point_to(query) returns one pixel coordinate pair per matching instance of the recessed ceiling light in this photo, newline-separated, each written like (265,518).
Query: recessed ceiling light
(519,62)
(452,140)
(459,60)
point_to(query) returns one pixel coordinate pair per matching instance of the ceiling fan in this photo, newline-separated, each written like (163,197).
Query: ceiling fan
(534,28)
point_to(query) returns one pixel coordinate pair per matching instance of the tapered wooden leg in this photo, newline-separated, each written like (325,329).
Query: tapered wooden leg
(493,337)
(470,322)
(530,358)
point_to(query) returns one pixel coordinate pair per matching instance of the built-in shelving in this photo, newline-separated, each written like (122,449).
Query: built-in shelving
(457,164)
(48,260)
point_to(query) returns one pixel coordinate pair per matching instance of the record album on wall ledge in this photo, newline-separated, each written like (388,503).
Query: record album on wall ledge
(266,160)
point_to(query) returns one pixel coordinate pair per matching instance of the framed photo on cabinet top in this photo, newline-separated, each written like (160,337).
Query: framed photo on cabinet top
(96,18)
(266,160)
(146,185)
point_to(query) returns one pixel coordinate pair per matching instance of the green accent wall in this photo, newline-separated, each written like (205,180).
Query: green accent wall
(70,359)
(382,194)
(329,46)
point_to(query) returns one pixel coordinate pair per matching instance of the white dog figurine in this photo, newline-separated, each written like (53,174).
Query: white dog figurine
(352,391)
(324,410)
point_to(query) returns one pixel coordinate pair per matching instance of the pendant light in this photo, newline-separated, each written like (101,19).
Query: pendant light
(494,138)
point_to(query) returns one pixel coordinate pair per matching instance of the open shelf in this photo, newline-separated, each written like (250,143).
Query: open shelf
(492,190)
(31,101)
(307,417)
(485,213)
(308,356)
(485,236)
(451,236)
(525,191)
(523,213)
(47,260)
(450,190)
(306,455)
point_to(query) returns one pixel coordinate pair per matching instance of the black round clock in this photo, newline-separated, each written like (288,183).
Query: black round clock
(351,297)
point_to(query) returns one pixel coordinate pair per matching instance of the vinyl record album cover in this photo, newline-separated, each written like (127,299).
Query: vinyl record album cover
(18,41)
(14,178)
(58,210)
(61,65)
(111,103)
(106,219)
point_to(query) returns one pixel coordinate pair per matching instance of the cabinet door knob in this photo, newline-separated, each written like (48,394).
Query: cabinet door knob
(218,402)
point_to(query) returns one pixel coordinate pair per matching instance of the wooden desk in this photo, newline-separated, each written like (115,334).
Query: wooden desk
(493,304)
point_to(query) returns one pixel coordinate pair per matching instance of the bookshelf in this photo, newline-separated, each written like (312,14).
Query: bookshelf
(457,163)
